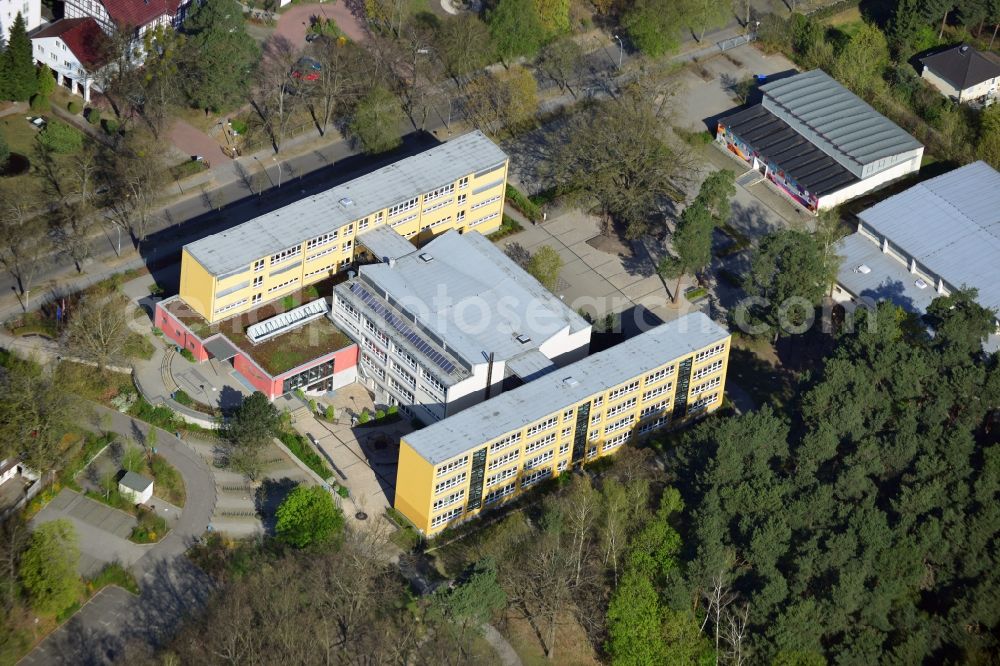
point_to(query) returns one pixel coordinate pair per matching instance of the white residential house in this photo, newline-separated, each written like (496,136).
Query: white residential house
(31,10)
(74,51)
(136,15)
(964,74)
(136,487)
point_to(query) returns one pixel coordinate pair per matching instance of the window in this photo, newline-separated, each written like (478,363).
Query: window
(591,452)
(623,390)
(447,484)
(256,299)
(538,460)
(618,425)
(332,248)
(707,370)
(566,432)
(363,224)
(618,409)
(505,459)
(460,216)
(321,240)
(379,217)
(598,401)
(231,306)
(659,374)
(348,308)
(596,418)
(501,476)
(487,218)
(462,198)
(401,353)
(403,207)
(439,192)
(448,501)
(349,229)
(702,403)
(654,409)
(401,390)
(654,425)
(568,414)
(659,390)
(463,182)
(707,386)
(285,255)
(615,441)
(258,281)
(446,517)
(708,353)
(485,202)
(544,425)
(539,443)
(377,371)
(499,493)
(331,268)
(347,245)
(405,376)
(258,266)
(594,434)
(535,477)
(504,442)
(563,464)
(282,285)
(438,206)
(452,466)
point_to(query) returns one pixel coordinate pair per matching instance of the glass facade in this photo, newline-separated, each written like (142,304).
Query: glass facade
(308,377)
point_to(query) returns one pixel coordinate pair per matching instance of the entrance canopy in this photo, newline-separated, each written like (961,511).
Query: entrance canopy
(221,348)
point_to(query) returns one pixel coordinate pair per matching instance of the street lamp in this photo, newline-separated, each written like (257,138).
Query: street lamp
(621,50)
(420,50)
(275,160)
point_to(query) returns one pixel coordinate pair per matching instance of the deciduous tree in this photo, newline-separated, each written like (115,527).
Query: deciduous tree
(654,26)
(308,517)
(376,121)
(562,61)
(249,429)
(132,174)
(545,265)
(97,328)
(48,566)
(516,28)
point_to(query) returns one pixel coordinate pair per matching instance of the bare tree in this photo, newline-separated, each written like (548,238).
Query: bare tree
(562,61)
(337,87)
(70,226)
(21,246)
(132,175)
(98,329)
(276,94)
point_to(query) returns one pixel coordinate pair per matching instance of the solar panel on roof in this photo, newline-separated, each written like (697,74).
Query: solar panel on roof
(404,330)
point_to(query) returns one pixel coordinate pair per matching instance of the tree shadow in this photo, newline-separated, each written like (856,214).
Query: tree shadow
(269,496)
(229,400)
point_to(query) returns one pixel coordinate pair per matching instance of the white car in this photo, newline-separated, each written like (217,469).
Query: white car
(37,121)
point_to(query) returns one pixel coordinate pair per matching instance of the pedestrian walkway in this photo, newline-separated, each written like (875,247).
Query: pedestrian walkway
(193,142)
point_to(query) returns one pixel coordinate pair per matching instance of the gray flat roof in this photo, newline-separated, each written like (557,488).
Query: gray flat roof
(235,249)
(530,365)
(887,279)
(385,243)
(848,127)
(472,296)
(951,225)
(528,403)
(136,482)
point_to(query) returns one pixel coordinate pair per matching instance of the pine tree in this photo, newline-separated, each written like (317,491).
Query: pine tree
(20,70)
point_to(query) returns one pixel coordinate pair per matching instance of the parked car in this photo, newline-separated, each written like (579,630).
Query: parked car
(306,69)
(37,121)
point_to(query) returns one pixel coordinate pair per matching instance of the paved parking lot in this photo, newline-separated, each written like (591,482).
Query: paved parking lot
(102,532)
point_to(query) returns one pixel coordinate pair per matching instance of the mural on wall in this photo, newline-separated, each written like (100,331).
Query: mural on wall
(774,173)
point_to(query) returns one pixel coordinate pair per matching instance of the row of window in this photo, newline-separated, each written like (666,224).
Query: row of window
(448,501)
(707,370)
(618,425)
(707,386)
(623,390)
(708,353)
(659,374)
(402,207)
(446,517)
(659,390)
(544,425)
(654,425)
(616,441)
(539,443)
(406,395)
(486,219)
(499,493)
(505,459)
(439,192)
(701,403)
(282,285)
(453,465)
(539,460)
(231,306)
(535,477)
(403,220)
(285,255)
(504,442)
(485,202)
(450,483)
(653,409)
(501,476)
(621,407)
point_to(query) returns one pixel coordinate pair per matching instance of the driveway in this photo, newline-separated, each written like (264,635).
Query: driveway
(191,141)
(294,23)
(172,588)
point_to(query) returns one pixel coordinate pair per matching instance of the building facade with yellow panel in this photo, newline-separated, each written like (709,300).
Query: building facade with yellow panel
(457,185)
(489,453)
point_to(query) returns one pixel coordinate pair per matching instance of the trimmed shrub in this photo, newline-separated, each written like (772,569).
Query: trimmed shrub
(74,107)
(364,417)
(188,354)
(379,415)
(110,125)
(393,410)
(39,103)
(93,116)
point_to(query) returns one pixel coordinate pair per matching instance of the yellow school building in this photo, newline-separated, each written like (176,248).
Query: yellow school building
(457,185)
(489,453)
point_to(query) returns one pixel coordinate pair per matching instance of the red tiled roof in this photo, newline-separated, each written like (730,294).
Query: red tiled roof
(137,13)
(83,37)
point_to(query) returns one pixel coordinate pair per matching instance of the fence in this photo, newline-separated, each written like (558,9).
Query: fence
(739,40)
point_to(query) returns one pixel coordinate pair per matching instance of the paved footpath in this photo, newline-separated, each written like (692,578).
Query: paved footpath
(172,588)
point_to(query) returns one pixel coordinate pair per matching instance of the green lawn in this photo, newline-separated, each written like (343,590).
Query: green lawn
(20,137)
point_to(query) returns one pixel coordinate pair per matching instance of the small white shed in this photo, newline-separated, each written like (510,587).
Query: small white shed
(136,487)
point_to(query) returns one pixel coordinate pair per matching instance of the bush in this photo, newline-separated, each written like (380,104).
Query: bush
(521,203)
(508,226)
(330,413)
(300,448)
(74,107)
(182,398)
(379,415)
(93,116)
(39,103)
(188,354)
(110,125)
(364,417)
(343,491)
(393,410)
(61,138)
(308,517)
(151,528)
(115,574)
(312,405)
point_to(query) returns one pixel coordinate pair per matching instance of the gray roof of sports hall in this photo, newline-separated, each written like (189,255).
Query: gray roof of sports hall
(951,225)
(843,121)
(472,296)
(234,249)
(887,278)
(569,385)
